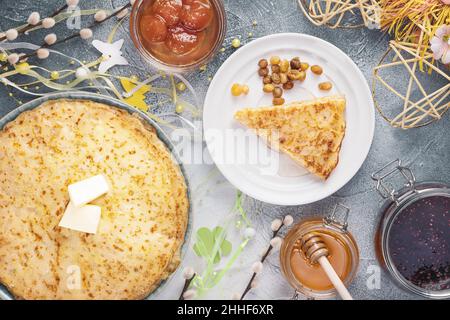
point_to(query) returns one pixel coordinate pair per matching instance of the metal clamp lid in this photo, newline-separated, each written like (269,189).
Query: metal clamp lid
(332,218)
(384,188)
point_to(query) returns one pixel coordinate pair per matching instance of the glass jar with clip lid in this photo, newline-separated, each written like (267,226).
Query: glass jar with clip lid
(413,236)
(310,279)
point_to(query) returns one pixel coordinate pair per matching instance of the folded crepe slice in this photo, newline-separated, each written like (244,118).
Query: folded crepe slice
(310,132)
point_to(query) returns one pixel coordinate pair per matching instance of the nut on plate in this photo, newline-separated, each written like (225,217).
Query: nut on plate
(275,60)
(295,63)
(288,85)
(263,72)
(278,101)
(267,79)
(236,89)
(276,78)
(263,63)
(302,76)
(327,85)
(268,88)
(284,66)
(277,92)
(293,74)
(275,68)
(317,69)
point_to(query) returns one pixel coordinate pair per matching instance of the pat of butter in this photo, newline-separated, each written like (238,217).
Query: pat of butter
(84,219)
(85,191)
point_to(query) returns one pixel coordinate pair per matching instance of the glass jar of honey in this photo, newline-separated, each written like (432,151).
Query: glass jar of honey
(309,279)
(178,35)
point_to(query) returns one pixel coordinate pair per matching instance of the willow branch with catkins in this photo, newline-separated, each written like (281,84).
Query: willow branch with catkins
(275,243)
(36,23)
(188,275)
(84,33)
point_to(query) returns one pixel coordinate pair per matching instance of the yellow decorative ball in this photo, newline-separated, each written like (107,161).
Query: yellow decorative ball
(181,86)
(179,108)
(23,67)
(54,75)
(236,43)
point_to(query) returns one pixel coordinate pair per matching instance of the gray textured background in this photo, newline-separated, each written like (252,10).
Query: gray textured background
(426,149)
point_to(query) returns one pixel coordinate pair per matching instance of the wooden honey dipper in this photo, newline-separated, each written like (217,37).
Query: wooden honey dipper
(316,251)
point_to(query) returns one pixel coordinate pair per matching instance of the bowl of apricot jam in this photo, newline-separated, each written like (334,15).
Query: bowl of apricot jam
(178,35)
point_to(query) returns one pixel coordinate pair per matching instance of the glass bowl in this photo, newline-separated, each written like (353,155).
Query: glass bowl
(177,68)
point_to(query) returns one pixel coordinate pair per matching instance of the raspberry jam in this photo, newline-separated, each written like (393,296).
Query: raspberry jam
(419,243)
(178,32)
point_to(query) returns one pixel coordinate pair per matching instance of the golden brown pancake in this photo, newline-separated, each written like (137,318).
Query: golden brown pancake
(310,132)
(144,216)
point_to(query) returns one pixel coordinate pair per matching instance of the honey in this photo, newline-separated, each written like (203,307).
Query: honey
(308,278)
(312,275)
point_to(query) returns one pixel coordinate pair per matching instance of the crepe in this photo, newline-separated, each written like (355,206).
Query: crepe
(310,132)
(143,220)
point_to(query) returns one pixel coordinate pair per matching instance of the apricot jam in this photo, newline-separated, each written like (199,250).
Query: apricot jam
(178,32)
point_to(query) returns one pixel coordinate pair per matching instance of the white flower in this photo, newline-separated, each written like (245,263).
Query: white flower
(188,273)
(440,44)
(13,58)
(288,220)
(249,233)
(85,33)
(11,34)
(276,224)
(42,53)
(50,39)
(100,15)
(112,53)
(48,23)
(82,72)
(189,294)
(236,296)
(72,3)
(34,18)
(276,242)
(257,267)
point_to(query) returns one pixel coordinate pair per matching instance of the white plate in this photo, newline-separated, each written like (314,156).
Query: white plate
(287,184)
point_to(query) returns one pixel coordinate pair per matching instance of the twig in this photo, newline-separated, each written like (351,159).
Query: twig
(96,23)
(264,257)
(430,107)
(28,27)
(75,35)
(187,283)
(332,12)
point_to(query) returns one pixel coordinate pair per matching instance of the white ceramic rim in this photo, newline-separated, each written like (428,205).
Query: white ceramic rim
(252,49)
